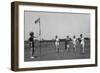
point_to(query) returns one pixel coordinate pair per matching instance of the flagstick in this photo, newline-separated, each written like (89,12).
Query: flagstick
(40,36)
(36,21)
(40,48)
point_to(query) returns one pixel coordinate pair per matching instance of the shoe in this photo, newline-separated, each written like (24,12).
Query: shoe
(32,57)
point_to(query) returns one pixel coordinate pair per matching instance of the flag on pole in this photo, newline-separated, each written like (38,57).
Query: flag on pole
(37,21)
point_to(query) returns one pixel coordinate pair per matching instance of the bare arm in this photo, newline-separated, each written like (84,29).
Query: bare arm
(36,36)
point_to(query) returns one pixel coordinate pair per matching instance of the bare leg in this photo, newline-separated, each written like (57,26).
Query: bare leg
(67,47)
(74,47)
(32,52)
(83,50)
(56,48)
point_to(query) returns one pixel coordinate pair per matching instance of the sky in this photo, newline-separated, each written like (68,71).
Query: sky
(53,23)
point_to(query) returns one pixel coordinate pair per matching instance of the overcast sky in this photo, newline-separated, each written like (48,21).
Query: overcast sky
(61,24)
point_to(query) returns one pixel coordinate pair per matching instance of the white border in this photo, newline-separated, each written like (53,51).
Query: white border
(33,64)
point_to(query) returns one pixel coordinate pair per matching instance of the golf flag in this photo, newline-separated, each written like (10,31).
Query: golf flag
(37,21)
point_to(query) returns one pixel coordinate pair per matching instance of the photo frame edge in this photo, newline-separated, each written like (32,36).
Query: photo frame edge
(14,36)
